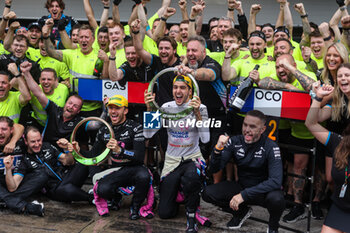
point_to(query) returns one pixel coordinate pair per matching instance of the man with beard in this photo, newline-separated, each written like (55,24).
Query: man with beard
(224,23)
(127,155)
(212,90)
(11,193)
(10,62)
(10,137)
(53,90)
(133,70)
(240,69)
(167,58)
(284,46)
(61,121)
(12,102)
(40,163)
(58,129)
(183,159)
(288,77)
(55,8)
(283,32)
(260,173)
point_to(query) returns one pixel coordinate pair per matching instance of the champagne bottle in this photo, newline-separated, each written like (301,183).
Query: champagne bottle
(98,68)
(242,92)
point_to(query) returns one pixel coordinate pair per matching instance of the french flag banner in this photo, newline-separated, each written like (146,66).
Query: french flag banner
(283,104)
(97,89)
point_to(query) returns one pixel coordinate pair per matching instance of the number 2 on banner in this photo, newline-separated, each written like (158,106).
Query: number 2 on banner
(272,123)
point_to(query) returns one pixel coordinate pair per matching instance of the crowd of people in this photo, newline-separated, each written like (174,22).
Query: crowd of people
(41,63)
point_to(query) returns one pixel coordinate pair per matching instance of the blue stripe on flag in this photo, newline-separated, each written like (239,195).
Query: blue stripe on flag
(90,89)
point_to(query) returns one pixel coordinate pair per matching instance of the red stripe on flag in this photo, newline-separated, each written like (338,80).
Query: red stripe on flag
(136,92)
(295,105)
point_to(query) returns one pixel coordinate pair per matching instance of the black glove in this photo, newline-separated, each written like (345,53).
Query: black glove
(117,2)
(137,1)
(62,23)
(41,22)
(340,3)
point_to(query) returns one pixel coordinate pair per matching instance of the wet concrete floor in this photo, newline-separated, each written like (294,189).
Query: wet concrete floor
(83,218)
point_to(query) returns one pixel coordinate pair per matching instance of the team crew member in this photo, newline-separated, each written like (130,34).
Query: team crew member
(183,153)
(283,46)
(116,37)
(318,48)
(259,178)
(60,20)
(212,89)
(53,90)
(241,68)
(232,40)
(128,151)
(19,48)
(11,102)
(39,163)
(58,129)
(81,67)
(34,34)
(49,62)
(338,216)
(10,134)
(133,70)
(290,78)
(61,121)
(11,143)
(167,58)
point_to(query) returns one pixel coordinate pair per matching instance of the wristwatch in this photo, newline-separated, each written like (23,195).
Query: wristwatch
(314,96)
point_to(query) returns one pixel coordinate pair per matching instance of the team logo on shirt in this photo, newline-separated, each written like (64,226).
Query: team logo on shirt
(151,120)
(241,152)
(276,151)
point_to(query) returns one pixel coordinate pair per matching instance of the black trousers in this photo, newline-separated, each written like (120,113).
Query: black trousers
(185,176)
(136,176)
(32,183)
(220,194)
(69,189)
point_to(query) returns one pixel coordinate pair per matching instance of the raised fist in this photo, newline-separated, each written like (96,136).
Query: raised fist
(254,9)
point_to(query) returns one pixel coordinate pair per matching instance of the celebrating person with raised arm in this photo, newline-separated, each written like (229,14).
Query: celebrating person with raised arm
(337,219)
(183,155)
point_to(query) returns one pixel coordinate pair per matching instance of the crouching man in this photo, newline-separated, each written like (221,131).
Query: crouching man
(259,172)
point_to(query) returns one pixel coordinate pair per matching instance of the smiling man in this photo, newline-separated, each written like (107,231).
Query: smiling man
(259,173)
(318,47)
(18,49)
(133,70)
(34,34)
(167,58)
(289,77)
(12,102)
(116,37)
(127,155)
(183,155)
(61,121)
(81,61)
(53,90)
(61,21)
